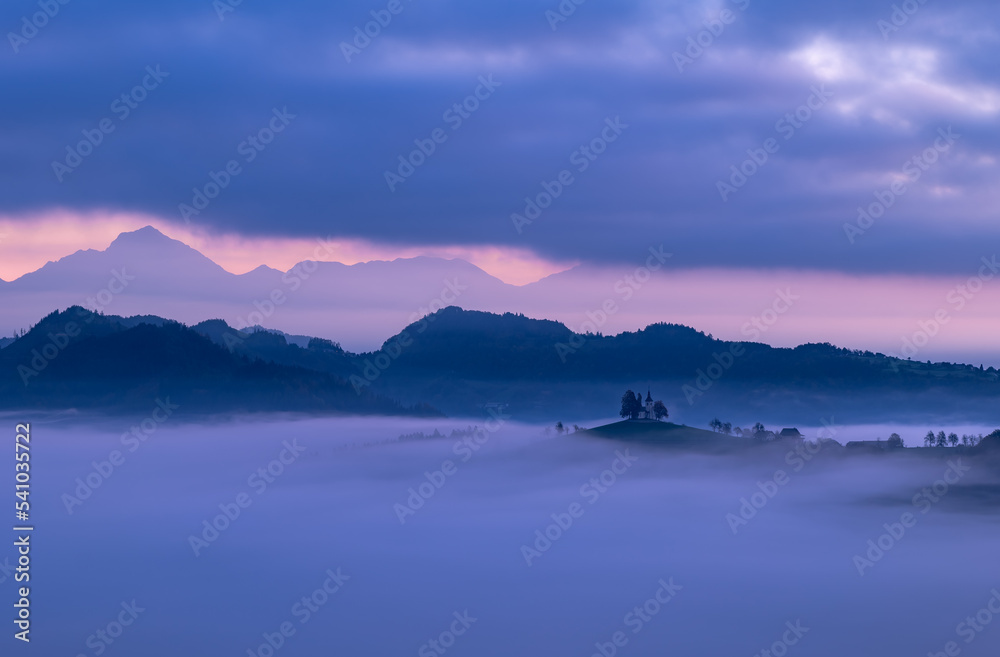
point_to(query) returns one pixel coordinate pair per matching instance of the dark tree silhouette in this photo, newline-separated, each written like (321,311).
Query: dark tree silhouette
(760,433)
(660,410)
(631,406)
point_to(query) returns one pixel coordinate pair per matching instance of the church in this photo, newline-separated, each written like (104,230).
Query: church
(647,410)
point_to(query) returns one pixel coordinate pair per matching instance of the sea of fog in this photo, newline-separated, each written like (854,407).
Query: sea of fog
(513,542)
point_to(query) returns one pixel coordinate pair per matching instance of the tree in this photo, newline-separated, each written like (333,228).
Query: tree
(953,439)
(631,406)
(929,439)
(761,434)
(660,410)
(715,425)
(738,431)
(727,428)
(895,441)
(559,427)
(942,439)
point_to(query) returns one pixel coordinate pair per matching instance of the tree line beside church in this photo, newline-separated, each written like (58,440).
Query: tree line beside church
(632,407)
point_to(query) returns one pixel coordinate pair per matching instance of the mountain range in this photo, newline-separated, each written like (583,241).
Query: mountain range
(144,272)
(464,362)
(78,359)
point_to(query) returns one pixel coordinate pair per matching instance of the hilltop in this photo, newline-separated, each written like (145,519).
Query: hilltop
(80,359)
(459,361)
(666,433)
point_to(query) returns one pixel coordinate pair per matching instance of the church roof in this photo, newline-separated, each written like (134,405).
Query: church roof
(649,397)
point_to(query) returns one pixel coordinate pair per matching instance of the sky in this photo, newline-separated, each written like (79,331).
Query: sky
(527,136)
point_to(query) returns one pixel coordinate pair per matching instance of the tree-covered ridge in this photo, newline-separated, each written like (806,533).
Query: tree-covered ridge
(80,359)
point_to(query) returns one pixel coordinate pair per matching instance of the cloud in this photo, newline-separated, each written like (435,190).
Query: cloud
(326,173)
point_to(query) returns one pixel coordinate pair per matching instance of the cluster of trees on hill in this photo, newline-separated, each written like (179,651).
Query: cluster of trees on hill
(632,407)
(758,432)
(560,429)
(940,439)
(723,427)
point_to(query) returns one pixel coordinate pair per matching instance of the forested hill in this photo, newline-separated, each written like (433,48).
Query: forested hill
(79,359)
(462,361)
(484,345)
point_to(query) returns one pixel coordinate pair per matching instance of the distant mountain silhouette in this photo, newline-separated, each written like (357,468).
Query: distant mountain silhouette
(79,359)
(148,272)
(144,272)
